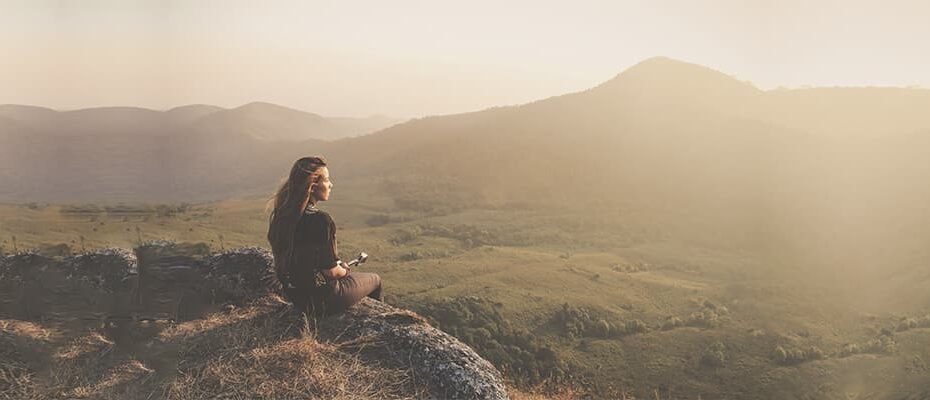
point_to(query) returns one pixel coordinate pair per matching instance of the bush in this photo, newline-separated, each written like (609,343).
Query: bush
(603,328)
(580,322)
(906,324)
(572,321)
(850,349)
(636,326)
(714,356)
(794,356)
(913,323)
(672,323)
(883,344)
(478,323)
(924,322)
(706,318)
(780,355)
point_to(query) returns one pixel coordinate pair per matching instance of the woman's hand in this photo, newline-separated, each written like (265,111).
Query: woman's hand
(336,272)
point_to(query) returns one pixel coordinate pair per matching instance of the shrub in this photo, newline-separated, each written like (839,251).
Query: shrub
(815,353)
(672,323)
(780,355)
(572,321)
(580,322)
(850,349)
(714,356)
(603,328)
(797,355)
(924,322)
(706,318)
(477,322)
(913,323)
(636,326)
(631,267)
(884,344)
(906,324)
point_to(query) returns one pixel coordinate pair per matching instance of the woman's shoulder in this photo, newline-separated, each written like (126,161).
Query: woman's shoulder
(316,214)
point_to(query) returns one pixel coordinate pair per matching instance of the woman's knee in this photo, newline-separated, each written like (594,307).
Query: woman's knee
(368,279)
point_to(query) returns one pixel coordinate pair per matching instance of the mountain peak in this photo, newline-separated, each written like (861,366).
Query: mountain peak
(665,73)
(663,60)
(261,105)
(192,112)
(668,83)
(195,107)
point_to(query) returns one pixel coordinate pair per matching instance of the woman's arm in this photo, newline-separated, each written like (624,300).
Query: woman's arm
(336,271)
(328,251)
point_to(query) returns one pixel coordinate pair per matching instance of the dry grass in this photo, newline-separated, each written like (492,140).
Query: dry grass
(260,351)
(23,348)
(298,368)
(265,351)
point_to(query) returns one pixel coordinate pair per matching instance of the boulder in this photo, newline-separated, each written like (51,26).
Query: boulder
(401,337)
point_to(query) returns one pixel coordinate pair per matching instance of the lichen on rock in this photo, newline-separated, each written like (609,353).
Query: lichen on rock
(395,335)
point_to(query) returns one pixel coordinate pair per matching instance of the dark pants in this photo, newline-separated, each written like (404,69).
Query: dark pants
(340,294)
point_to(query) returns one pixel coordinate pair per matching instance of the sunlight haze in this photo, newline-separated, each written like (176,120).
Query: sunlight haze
(416,58)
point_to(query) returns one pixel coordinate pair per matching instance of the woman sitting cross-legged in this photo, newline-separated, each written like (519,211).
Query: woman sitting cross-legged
(303,242)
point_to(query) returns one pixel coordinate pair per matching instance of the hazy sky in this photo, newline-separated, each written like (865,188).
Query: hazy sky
(412,58)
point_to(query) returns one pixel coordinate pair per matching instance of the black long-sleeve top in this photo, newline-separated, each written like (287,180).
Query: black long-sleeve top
(314,245)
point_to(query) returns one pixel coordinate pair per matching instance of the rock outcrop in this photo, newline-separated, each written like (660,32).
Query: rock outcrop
(170,283)
(450,366)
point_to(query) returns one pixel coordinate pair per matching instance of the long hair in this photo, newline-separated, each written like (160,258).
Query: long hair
(287,205)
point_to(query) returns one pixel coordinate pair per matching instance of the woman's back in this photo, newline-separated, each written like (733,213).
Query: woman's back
(315,246)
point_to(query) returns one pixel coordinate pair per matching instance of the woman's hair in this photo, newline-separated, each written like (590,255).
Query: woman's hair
(287,205)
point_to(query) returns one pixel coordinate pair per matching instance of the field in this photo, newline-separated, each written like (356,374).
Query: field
(611,302)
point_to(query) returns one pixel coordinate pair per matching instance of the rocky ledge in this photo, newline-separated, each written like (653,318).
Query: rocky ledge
(174,283)
(386,332)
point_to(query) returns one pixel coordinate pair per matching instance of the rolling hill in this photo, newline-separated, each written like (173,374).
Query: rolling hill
(663,133)
(134,154)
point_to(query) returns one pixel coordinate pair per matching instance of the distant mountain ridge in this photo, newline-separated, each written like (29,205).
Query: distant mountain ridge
(662,131)
(137,154)
(262,121)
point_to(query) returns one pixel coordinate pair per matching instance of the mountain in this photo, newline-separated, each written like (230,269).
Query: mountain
(360,126)
(269,122)
(192,112)
(17,112)
(261,121)
(676,138)
(663,132)
(659,128)
(662,128)
(133,154)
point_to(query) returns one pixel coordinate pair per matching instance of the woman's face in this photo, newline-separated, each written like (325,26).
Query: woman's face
(323,186)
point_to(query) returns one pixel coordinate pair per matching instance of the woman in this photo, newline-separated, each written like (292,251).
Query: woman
(303,242)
